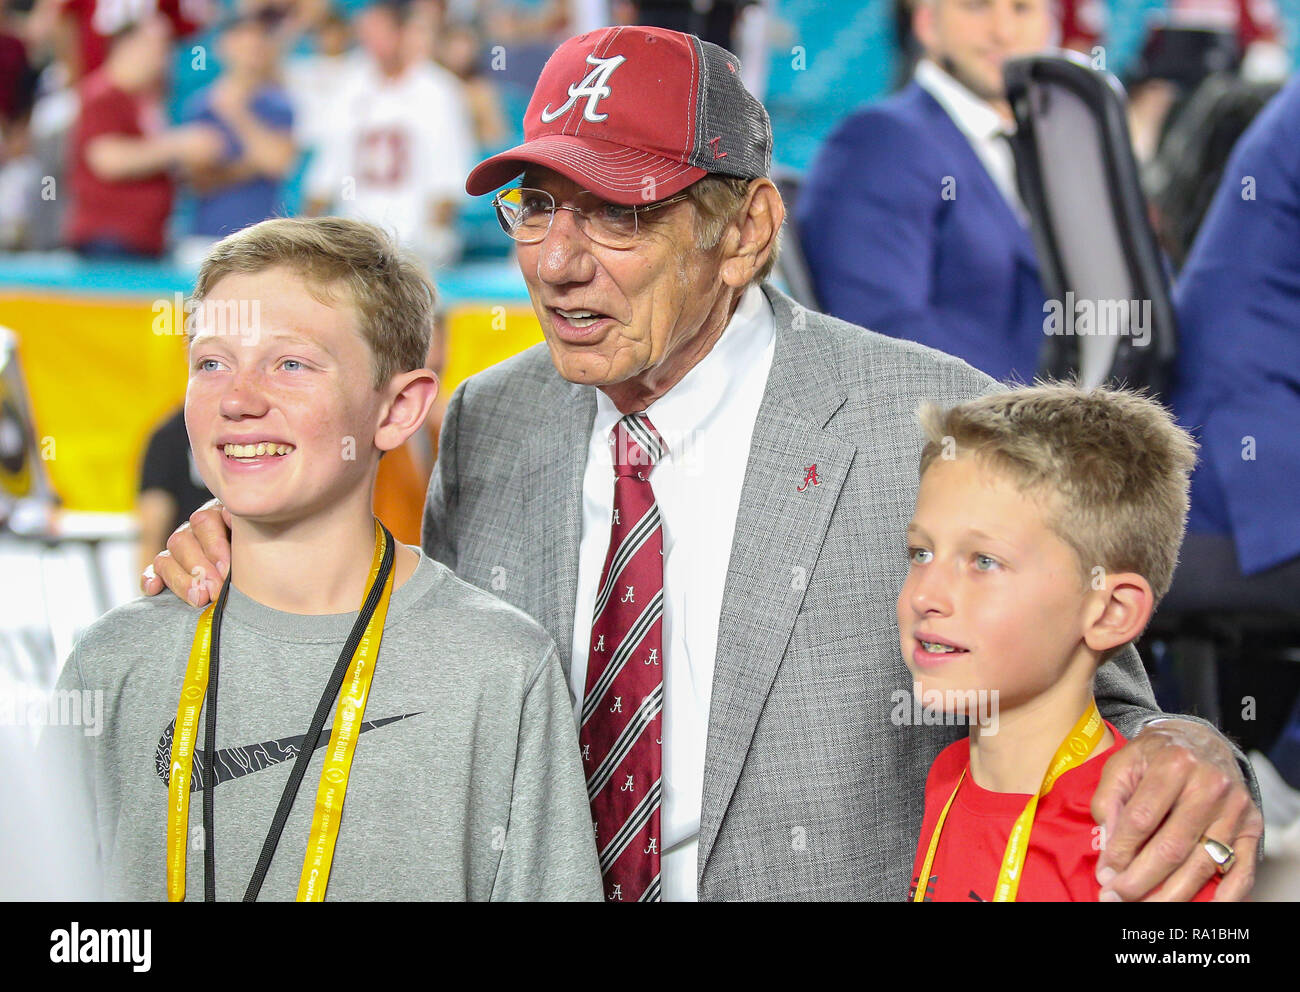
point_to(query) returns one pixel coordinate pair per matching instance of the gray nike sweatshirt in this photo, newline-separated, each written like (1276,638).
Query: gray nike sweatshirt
(465,785)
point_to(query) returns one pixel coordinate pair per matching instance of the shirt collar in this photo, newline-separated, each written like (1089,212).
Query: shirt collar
(706,387)
(973,116)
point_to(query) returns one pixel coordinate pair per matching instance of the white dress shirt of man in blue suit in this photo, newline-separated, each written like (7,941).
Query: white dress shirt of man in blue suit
(789,475)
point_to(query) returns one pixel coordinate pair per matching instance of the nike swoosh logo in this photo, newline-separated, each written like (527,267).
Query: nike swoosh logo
(236,762)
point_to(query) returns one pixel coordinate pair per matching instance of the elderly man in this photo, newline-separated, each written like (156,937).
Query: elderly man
(701,489)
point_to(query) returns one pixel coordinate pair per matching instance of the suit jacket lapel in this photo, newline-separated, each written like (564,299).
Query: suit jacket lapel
(780,527)
(553,469)
(1013,230)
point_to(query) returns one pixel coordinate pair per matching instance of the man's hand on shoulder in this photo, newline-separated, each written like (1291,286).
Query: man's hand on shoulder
(197,558)
(1172,785)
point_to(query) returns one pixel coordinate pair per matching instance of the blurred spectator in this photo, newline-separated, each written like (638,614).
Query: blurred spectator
(591,15)
(52,119)
(304,17)
(122,153)
(751,41)
(740,26)
(910,219)
(1193,40)
(511,22)
(255,117)
(170,487)
(1256,24)
(1082,24)
(712,20)
(315,79)
(401,144)
(92,23)
(19,174)
(17,78)
(461,54)
(527,36)
(19,170)
(422,32)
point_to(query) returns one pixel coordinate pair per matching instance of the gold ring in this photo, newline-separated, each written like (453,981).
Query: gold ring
(1224,857)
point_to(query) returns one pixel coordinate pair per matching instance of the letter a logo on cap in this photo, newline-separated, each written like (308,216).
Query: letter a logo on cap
(594,86)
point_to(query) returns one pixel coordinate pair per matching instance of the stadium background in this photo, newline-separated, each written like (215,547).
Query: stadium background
(100,377)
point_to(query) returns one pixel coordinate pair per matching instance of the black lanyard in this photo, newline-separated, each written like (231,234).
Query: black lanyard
(309,743)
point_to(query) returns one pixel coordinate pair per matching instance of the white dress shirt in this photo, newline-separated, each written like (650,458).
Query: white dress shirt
(706,422)
(982,125)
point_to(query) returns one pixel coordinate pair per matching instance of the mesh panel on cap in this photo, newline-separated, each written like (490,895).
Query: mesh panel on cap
(729,112)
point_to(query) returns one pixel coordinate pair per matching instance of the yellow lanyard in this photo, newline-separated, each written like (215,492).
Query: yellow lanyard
(1074,750)
(338,757)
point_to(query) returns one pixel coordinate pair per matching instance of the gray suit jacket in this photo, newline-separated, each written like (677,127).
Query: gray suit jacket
(813,786)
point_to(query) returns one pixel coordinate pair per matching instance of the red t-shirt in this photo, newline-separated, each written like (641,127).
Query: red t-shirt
(1061,863)
(132,211)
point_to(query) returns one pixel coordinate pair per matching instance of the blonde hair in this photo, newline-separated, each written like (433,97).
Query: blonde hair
(717,200)
(1114,460)
(393,296)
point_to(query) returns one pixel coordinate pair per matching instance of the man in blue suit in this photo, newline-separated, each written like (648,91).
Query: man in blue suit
(1238,372)
(1238,389)
(910,219)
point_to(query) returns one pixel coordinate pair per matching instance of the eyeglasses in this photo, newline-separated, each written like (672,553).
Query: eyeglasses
(526,214)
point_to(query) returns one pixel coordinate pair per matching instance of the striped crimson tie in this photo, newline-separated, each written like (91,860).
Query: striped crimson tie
(622,722)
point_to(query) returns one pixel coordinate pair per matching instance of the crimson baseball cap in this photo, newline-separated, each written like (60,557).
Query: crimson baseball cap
(637,114)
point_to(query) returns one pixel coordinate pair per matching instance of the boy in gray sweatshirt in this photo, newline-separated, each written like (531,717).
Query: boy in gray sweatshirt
(349,720)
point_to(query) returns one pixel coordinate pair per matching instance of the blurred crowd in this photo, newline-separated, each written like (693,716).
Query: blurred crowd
(138,128)
(98,144)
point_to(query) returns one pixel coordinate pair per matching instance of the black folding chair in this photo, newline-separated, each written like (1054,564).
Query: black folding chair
(1098,256)
(1188,166)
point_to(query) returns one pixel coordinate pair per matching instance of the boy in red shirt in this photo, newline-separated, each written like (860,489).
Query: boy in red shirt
(1047,527)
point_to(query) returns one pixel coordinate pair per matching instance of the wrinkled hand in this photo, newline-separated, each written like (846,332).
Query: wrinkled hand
(197,558)
(1172,783)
